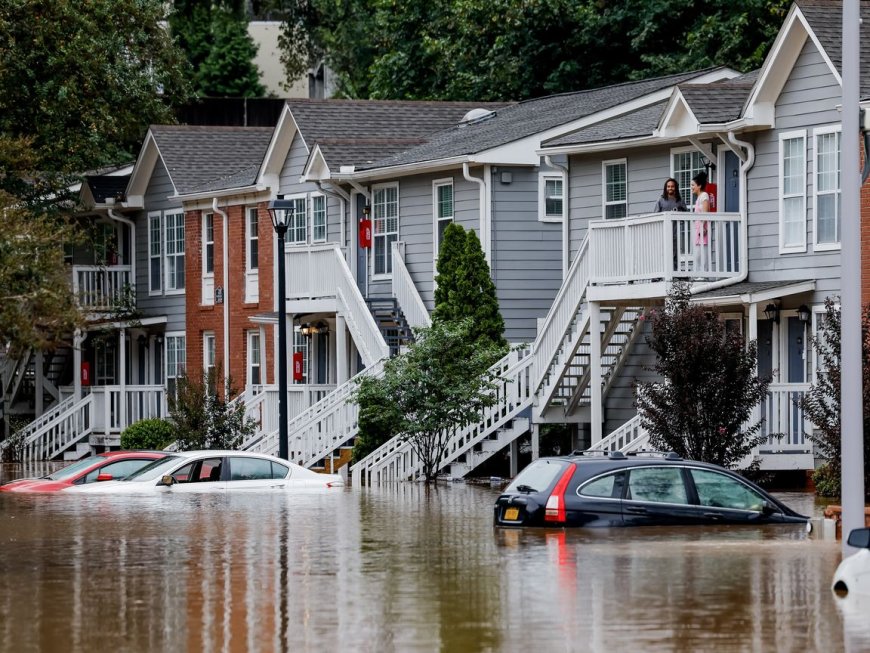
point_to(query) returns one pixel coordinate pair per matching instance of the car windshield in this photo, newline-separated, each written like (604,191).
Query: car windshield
(71,470)
(537,477)
(154,470)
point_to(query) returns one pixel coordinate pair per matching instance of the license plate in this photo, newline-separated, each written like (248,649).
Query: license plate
(511,514)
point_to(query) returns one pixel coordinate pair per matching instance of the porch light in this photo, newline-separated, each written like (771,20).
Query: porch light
(309,330)
(771,312)
(804,313)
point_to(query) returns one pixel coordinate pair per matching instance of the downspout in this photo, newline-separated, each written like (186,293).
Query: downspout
(566,218)
(744,211)
(117,217)
(226,256)
(343,199)
(484,230)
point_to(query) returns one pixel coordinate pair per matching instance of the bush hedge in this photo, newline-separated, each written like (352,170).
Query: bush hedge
(148,434)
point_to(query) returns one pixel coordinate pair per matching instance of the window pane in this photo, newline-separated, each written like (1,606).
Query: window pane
(793,220)
(249,469)
(827,218)
(253,241)
(658,484)
(615,211)
(539,475)
(553,197)
(721,491)
(601,487)
(445,201)
(318,216)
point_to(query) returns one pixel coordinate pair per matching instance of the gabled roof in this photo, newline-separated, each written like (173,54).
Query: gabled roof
(718,102)
(104,187)
(528,118)
(630,125)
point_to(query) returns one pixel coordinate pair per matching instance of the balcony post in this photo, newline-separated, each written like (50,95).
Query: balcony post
(595,370)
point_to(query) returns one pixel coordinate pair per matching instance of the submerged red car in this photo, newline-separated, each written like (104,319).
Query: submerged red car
(108,466)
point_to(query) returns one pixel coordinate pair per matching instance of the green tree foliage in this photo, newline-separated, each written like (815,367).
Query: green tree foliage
(441,384)
(465,288)
(37,307)
(205,420)
(504,49)
(702,408)
(82,80)
(214,35)
(821,403)
(148,434)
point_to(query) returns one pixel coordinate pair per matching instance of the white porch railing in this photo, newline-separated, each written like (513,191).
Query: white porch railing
(631,436)
(100,287)
(263,407)
(785,424)
(115,408)
(405,291)
(312,272)
(661,246)
(72,424)
(396,459)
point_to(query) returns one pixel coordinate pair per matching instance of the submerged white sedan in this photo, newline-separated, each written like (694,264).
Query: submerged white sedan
(214,471)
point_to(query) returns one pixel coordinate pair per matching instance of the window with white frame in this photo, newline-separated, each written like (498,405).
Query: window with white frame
(208,353)
(175,361)
(792,192)
(827,188)
(252,235)
(686,163)
(174,234)
(300,346)
(208,244)
(385,225)
(254,358)
(551,197)
(442,200)
(615,193)
(318,218)
(155,253)
(297,234)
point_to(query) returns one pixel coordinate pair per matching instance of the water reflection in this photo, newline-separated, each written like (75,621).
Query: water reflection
(397,569)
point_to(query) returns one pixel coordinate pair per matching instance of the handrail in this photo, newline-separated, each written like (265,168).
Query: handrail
(406,293)
(631,436)
(69,426)
(42,421)
(370,341)
(561,313)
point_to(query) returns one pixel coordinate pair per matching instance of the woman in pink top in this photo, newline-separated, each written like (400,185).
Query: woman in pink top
(701,228)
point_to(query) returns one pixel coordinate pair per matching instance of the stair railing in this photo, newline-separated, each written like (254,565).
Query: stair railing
(631,436)
(367,337)
(405,291)
(67,427)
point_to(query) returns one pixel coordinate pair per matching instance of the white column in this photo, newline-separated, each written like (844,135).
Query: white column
(515,455)
(341,362)
(39,368)
(122,366)
(597,409)
(536,441)
(77,365)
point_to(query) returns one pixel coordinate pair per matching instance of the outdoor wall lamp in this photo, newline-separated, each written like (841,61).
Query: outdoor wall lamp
(804,313)
(771,312)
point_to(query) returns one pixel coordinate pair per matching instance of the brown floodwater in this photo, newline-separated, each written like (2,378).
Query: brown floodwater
(400,568)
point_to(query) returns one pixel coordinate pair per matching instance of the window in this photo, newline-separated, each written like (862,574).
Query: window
(174,251)
(300,346)
(254,366)
(605,486)
(657,484)
(442,198)
(539,475)
(792,192)
(116,470)
(615,189)
(827,188)
(175,361)
(252,252)
(208,353)
(155,253)
(297,234)
(208,244)
(385,223)
(551,197)
(686,163)
(318,218)
(255,469)
(721,491)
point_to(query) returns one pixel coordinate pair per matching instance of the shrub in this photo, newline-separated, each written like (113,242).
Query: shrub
(148,434)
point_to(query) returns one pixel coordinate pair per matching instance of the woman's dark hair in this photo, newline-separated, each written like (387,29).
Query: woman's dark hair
(676,192)
(701,180)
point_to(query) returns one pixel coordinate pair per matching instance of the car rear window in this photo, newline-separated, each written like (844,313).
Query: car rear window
(602,486)
(537,477)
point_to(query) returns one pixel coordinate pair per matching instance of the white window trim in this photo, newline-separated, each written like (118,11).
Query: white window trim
(604,202)
(783,248)
(166,289)
(817,246)
(152,215)
(299,243)
(436,245)
(205,216)
(310,210)
(543,178)
(248,358)
(686,193)
(377,187)
(178,372)
(248,268)
(206,336)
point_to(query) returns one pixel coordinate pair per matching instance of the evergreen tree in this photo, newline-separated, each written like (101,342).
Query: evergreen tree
(450,256)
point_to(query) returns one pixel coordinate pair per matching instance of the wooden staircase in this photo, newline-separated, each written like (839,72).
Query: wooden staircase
(391,323)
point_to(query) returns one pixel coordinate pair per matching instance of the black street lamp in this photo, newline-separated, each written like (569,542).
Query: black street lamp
(282,212)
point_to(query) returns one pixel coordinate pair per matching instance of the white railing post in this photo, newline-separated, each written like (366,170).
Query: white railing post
(405,291)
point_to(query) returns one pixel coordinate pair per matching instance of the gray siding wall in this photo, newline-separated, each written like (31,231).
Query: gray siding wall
(619,402)
(809,99)
(172,306)
(526,256)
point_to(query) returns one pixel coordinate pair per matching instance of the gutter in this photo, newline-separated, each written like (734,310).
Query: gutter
(343,199)
(226,256)
(228,192)
(566,220)
(484,223)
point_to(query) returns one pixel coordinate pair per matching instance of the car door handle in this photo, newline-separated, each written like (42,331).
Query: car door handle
(712,515)
(637,510)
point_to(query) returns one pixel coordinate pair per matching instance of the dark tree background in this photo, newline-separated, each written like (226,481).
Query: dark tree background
(518,49)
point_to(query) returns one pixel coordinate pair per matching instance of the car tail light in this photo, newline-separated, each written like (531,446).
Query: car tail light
(335,484)
(555,509)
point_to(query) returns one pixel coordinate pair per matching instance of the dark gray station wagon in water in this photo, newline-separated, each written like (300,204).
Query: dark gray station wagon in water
(642,489)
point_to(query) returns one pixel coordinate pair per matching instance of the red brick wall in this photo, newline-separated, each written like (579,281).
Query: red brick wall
(211,318)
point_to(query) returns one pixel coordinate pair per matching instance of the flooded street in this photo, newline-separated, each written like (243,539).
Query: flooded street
(401,569)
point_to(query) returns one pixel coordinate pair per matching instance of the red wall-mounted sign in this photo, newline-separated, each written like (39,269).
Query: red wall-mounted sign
(297,366)
(365,233)
(712,191)
(86,373)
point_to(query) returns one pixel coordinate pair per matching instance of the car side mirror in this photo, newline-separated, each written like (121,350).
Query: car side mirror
(104,477)
(767,508)
(859,538)
(167,480)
